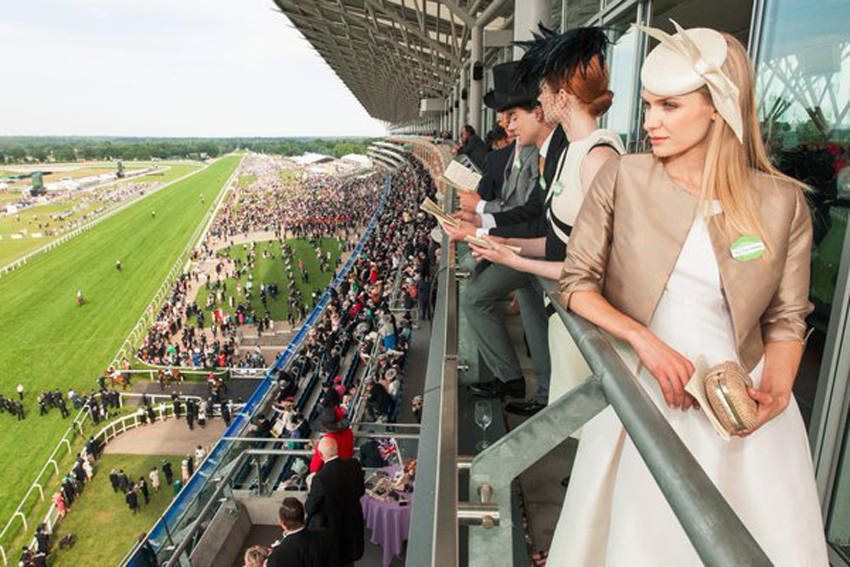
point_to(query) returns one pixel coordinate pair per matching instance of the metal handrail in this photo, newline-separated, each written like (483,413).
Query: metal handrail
(187,538)
(717,534)
(445,549)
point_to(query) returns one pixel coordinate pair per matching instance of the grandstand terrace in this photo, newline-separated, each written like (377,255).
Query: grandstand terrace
(316,316)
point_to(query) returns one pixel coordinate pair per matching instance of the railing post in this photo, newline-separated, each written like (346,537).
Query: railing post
(23,518)
(40,490)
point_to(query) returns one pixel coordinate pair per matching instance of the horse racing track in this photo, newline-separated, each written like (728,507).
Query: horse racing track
(50,343)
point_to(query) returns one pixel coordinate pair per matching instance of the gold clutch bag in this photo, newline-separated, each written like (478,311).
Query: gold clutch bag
(726,390)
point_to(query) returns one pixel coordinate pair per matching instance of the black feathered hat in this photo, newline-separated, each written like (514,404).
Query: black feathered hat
(550,54)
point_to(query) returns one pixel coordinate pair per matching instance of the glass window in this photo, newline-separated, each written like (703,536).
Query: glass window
(803,91)
(621,61)
(578,12)
(803,76)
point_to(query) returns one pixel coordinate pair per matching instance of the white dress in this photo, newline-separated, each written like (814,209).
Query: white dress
(615,514)
(566,195)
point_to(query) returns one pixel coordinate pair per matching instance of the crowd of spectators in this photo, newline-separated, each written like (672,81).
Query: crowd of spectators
(368,323)
(98,402)
(312,208)
(91,205)
(71,487)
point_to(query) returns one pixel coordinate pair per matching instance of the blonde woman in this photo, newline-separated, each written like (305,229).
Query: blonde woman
(695,254)
(256,556)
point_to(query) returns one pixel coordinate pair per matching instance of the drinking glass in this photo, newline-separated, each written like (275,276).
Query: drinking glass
(483,417)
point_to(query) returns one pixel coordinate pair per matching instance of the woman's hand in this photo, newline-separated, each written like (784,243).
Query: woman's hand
(781,361)
(770,404)
(670,369)
(498,254)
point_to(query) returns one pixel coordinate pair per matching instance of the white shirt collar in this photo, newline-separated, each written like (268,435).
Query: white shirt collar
(301,529)
(544,149)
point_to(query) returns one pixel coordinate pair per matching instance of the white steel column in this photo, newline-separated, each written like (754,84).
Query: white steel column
(475,85)
(527,14)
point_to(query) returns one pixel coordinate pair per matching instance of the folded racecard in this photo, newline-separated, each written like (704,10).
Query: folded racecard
(432,208)
(461,176)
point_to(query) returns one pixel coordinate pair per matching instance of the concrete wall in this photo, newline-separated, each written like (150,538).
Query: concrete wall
(263,511)
(222,540)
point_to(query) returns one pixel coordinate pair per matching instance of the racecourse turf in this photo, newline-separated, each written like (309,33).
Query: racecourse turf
(267,270)
(105,527)
(49,342)
(29,218)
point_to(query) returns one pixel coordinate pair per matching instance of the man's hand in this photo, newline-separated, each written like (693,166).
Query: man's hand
(459,233)
(469,200)
(471,218)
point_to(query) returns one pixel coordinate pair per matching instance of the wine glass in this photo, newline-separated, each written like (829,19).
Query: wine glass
(483,417)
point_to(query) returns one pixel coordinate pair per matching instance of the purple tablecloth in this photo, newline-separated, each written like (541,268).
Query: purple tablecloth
(389,524)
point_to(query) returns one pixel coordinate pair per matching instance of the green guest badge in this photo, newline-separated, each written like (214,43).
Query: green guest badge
(747,248)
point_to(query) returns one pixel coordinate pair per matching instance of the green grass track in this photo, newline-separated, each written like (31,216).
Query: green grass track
(46,341)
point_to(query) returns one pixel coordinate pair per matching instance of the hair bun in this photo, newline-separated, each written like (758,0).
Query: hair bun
(601,103)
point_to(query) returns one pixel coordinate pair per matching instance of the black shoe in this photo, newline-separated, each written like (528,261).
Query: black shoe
(495,388)
(530,407)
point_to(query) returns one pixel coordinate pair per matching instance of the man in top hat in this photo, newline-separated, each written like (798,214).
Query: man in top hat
(521,171)
(490,285)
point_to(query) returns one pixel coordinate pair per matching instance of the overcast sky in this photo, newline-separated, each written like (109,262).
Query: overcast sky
(166,68)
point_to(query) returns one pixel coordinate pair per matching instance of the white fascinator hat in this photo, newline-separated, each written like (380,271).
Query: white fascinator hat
(683,62)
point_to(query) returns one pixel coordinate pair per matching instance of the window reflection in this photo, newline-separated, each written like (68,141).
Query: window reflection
(803,75)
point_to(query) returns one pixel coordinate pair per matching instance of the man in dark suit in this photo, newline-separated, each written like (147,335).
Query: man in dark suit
(299,547)
(472,146)
(334,502)
(495,164)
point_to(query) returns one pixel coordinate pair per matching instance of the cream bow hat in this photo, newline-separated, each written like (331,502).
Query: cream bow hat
(684,62)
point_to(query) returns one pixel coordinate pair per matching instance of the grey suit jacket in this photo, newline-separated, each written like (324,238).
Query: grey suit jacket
(519,183)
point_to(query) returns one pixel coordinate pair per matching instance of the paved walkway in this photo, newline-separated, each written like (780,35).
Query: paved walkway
(169,437)
(241,388)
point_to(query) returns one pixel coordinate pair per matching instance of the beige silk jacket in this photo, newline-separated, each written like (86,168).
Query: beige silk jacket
(631,229)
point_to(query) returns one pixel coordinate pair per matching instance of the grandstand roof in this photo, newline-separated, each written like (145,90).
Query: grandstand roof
(356,158)
(310,158)
(391,53)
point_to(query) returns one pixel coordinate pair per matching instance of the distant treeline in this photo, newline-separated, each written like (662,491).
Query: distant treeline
(16,149)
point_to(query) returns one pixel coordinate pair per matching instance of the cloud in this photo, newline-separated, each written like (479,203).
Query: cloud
(168,68)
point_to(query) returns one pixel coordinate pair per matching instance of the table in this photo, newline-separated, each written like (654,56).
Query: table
(389,524)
